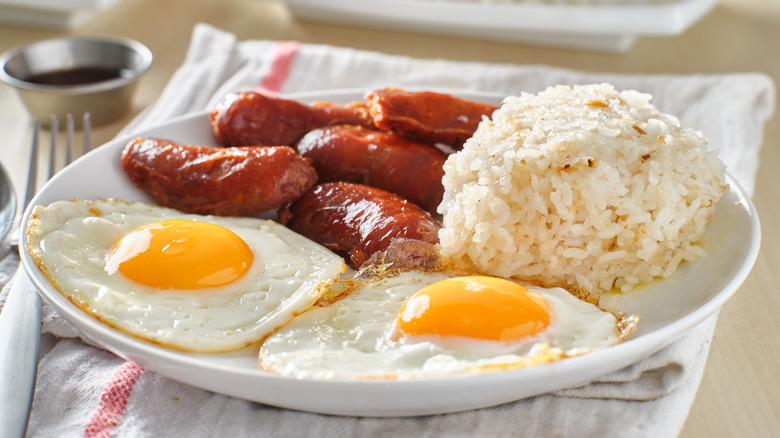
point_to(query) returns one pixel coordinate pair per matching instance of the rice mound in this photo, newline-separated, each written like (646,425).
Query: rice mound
(583,187)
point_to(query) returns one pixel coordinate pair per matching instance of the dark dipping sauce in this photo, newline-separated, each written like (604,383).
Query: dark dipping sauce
(76,76)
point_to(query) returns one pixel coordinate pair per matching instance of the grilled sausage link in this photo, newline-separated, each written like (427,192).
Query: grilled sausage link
(356,221)
(249,118)
(427,116)
(241,181)
(379,159)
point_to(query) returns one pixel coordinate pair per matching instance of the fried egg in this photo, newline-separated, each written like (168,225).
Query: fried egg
(189,282)
(427,324)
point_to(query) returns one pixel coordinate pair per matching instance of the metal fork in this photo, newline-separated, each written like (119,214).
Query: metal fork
(20,320)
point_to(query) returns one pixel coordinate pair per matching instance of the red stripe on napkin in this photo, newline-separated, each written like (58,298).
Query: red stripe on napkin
(113,401)
(280,68)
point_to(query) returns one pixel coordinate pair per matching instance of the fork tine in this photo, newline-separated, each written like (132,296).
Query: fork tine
(32,172)
(86,131)
(69,139)
(54,129)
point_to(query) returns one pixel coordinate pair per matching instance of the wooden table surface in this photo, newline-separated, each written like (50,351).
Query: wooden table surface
(739,392)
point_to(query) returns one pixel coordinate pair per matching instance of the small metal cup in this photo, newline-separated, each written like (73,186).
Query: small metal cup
(106,100)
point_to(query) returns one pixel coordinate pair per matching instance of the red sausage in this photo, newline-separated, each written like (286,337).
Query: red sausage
(379,159)
(249,118)
(356,220)
(427,116)
(241,181)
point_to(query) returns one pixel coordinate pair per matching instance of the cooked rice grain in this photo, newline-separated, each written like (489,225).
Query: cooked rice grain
(580,187)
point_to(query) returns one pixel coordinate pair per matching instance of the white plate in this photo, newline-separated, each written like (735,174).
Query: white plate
(667,309)
(608,25)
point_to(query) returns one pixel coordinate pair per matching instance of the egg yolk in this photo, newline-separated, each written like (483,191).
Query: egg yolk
(181,254)
(479,307)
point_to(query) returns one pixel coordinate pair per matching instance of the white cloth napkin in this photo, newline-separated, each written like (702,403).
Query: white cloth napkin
(85,391)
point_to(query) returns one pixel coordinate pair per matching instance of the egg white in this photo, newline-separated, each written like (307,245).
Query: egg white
(70,241)
(355,337)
